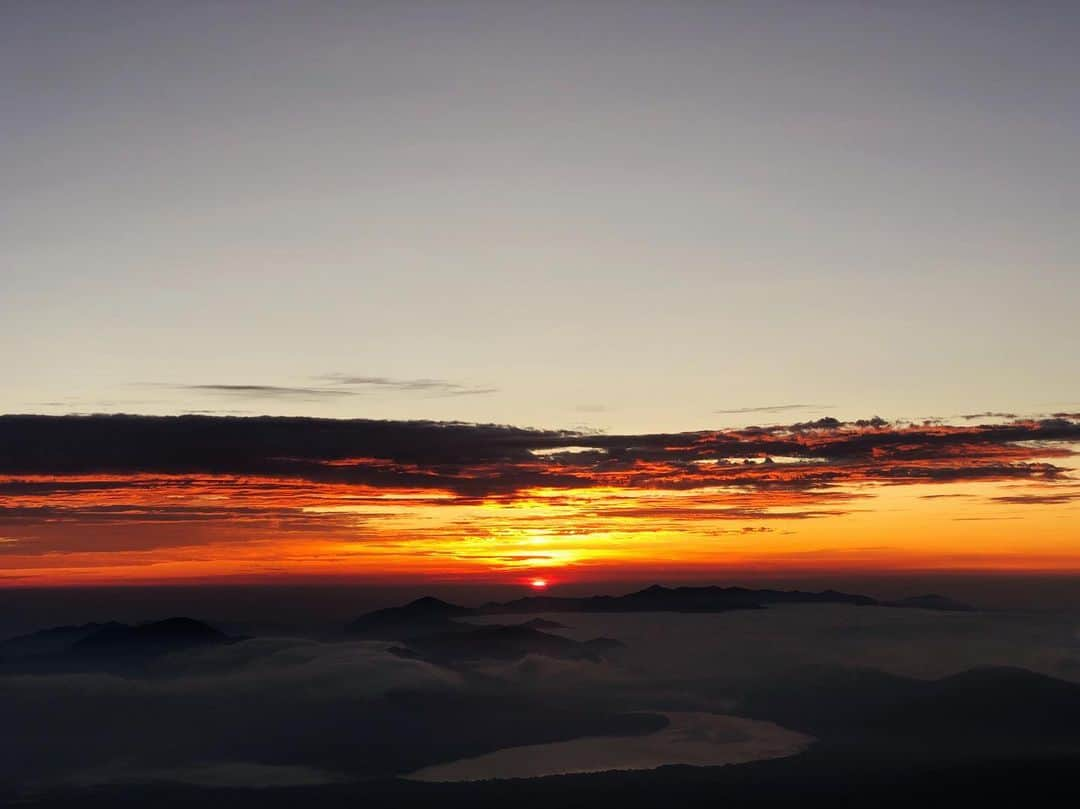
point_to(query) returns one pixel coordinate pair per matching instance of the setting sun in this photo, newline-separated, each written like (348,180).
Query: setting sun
(538,584)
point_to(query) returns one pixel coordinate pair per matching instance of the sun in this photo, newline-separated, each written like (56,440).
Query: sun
(538,584)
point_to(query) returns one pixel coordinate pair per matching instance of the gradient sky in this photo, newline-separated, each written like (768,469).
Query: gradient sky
(621,217)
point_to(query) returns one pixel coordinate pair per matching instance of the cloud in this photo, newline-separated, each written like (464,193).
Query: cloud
(292,710)
(1049,499)
(46,456)
(100,483)
(435,387)
(274,701)
(337,386)
(268,391)
(773,409)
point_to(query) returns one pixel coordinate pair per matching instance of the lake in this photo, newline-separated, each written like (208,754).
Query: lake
(698,739)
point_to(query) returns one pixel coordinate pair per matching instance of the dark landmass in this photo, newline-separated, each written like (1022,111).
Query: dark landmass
(425,613)
(155,638)
(104,645)
(991,708)
(815,780)
(674,599)
(379,736)
(48,641)
(430,615)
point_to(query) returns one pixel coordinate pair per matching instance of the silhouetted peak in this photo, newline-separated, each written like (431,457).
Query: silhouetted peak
(432,604)
(155,636)
(391,621)
(61,632)
(1003,676)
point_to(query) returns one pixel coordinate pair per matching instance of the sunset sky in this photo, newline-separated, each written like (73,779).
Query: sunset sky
(561,291)
(114,499)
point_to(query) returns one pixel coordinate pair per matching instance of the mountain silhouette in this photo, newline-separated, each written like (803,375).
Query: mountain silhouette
(51,641)
(675,599)
(98,645)
(425,614)
(983,707)
(432,614)
(159,637)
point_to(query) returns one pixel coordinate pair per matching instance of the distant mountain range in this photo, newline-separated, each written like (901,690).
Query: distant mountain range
(105,644)
(674,599)
(429,628)
(434,614)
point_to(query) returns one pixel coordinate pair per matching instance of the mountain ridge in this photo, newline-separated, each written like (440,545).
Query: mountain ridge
(433,613)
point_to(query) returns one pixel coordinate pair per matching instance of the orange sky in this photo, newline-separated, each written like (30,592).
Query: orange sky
(921,498)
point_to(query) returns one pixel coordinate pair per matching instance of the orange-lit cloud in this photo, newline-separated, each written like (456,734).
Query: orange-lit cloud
(121,498)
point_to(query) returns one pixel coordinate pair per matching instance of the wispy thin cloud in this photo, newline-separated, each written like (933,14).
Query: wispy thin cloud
(434,387)
(268,391)
(218,412)
(1053,499)
(773,409)
(341,386)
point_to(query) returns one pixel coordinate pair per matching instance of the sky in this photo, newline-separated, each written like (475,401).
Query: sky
(614,218)
(143,500)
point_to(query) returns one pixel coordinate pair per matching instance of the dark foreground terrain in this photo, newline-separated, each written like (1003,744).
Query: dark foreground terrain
(815,779)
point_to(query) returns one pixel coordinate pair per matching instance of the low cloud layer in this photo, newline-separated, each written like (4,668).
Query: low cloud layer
(271,711)
(268,712)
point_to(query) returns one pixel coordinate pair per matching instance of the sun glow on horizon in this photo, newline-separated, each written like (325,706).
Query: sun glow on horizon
(893,498)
